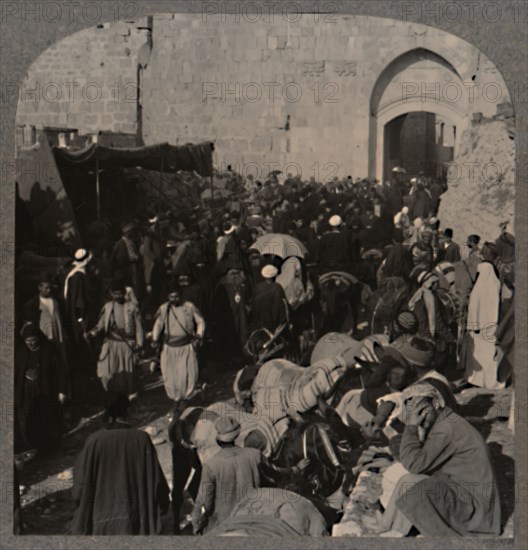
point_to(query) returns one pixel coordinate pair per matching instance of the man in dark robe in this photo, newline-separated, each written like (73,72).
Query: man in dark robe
(420,203)
(282,218)
(230,255)
(394,199)
(269,306)
(151,250)
(306,234)
(459,496)
(436,192)
(475,255)
(449,251)
(231,297)
(41,385)
(333,248)
(127,261)
(505,245)
(76,295)
(241,230)
(118,483)
(397,263)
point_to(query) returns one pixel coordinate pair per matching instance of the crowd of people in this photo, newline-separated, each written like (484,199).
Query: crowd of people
(165,292)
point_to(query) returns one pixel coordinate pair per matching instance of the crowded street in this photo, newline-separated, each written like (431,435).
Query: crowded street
(379,248)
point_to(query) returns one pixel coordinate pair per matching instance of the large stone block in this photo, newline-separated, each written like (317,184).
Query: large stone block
(272,42)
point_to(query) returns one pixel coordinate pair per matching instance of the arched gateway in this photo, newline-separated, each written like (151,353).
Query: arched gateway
(418,111)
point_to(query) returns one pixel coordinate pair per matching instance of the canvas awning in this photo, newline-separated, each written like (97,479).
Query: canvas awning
(171,158)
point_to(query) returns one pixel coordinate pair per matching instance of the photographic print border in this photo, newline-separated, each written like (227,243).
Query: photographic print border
(503,39)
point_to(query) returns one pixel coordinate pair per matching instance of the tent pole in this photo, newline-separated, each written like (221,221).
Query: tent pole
(161,183)
(98,190)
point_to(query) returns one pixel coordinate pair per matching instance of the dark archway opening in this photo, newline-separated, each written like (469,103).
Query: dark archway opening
(421,142)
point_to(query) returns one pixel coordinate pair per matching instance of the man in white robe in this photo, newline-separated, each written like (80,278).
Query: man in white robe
(482,322)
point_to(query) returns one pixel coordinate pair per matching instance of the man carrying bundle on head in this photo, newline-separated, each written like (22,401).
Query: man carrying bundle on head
(179,328)
(121,325)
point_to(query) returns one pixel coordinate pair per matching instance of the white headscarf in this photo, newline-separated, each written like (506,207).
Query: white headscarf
(426,294)
(78,267)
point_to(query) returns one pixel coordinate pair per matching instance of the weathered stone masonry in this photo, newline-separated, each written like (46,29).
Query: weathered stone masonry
(237,82)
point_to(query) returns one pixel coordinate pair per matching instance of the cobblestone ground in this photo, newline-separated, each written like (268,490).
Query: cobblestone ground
(48,507)
(46,479)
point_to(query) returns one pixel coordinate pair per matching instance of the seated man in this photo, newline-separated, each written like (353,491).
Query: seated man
(450,489)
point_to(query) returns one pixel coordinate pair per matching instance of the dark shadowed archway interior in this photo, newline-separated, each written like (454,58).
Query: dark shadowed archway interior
(421,142)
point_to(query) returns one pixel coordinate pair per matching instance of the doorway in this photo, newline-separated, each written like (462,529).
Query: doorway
(420,142)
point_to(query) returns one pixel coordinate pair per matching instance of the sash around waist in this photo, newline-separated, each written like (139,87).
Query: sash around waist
(177,342)
(118,338)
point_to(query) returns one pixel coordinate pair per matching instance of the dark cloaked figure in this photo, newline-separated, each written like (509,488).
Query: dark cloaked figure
(449,251)
(231,256)
(118,484)
(420,203)
(436,192)
(334,248)
(269,307)
(231,299)
(76,296)
(505,244)
(127,261)
(398,262)
(394,199)
(41,384)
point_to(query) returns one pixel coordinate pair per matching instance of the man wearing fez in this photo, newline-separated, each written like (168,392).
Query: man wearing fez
(230,475)
(121,325)
(41,384)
